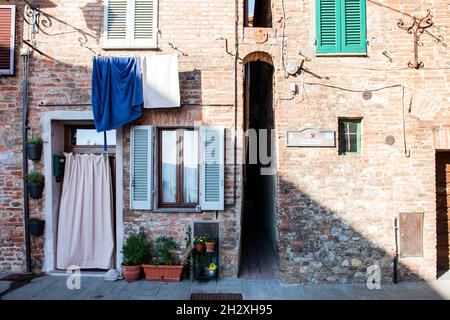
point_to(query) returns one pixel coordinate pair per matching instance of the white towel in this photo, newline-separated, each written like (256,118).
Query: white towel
(160,81)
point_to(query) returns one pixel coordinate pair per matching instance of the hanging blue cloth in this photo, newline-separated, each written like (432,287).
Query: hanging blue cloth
(117,97)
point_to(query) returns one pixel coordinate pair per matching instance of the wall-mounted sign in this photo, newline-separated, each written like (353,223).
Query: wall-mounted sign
(310,137)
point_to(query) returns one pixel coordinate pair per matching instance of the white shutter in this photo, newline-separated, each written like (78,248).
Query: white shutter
(144,26)
(212,168)
(141,191)
(130,24)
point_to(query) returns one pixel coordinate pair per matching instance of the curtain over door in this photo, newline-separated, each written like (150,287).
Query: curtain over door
(85,227)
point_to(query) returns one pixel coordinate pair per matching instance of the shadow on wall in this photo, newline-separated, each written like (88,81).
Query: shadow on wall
(317,245)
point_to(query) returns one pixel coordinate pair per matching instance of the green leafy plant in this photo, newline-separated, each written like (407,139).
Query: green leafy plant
(35,177)
(162,251)
(210,238)
(35,140)
(136,249)
(199,240)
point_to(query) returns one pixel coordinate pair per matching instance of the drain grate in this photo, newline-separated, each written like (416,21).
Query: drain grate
(16,277)
(216,296)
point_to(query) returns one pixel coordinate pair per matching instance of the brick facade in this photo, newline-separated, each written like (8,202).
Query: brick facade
(334,213)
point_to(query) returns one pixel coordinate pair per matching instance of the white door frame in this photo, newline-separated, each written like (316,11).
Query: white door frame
(50,218)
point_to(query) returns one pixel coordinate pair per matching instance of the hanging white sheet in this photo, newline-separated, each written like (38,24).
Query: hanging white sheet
(160,81)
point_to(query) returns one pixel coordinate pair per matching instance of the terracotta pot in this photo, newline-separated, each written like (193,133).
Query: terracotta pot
(199,247)
(210,246)
(132,273)
(163,273)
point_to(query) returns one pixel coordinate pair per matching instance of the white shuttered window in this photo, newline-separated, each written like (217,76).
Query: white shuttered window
(211,175)
(130,24)
(141,171)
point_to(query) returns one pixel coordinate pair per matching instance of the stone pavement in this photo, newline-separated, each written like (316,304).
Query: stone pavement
(95,288)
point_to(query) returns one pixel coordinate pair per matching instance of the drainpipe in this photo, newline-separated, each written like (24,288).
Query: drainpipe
(25,60)
(236,53)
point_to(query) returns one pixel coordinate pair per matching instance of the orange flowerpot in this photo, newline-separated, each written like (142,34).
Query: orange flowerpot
(132,273)
(199,247)
(210,246)
(163,273)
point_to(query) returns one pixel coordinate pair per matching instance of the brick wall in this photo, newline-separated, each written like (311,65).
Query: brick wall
(334,212)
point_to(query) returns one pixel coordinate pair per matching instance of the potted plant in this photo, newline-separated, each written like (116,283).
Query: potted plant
(36,227)
(135,250)
(34,148)
(199,243)
(199,264)
(35,184)
(210,243)
(163,266)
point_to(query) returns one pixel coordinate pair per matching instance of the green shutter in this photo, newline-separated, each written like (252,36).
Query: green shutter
(327,26)
(341,26)
(353,26)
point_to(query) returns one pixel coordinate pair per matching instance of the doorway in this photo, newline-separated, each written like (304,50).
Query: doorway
(87,219)
(259,259)
(443,212)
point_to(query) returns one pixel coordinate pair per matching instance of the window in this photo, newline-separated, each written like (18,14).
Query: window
(7,32)
(85,138)
(178,167)
(189,168)
(341,26)
(258,13)
(349,136)
(130,24)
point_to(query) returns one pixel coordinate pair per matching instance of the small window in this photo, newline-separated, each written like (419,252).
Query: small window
(178,183)
(349,136)
(341,26)
(258,13)
(85,138)
(130,24)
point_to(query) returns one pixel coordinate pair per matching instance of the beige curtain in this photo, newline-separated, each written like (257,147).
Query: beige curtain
(85,226)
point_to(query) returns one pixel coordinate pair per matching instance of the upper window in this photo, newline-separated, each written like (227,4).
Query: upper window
(7,32)
(349,136)
(341,26)
(178,168)
(130,24)
(258,13)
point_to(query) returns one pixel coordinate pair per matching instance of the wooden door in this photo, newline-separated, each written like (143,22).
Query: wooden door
(443,209)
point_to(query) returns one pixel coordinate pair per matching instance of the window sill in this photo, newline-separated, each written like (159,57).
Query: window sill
(342,54)
(107,47)
(177,210)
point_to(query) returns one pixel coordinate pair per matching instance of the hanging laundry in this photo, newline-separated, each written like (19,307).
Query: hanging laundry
(161,81)
(116,91)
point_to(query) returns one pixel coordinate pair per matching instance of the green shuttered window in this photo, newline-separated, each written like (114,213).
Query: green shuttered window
(341,26)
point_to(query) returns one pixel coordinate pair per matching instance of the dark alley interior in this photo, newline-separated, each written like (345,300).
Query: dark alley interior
(259,233)
(442,211)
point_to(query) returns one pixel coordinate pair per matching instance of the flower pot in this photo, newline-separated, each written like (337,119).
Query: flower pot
(210,246)
(163,273)
(132,273)
(35,189)
(36,227)
(199,247)
(34,151)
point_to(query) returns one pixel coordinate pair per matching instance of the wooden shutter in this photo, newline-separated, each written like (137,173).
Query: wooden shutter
(141,191)
(212,168)
(130,24)
(411,234)
(7,33)
(327,26)
(353,26)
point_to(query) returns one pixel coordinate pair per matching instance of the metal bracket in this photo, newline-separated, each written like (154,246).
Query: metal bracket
(417,28)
